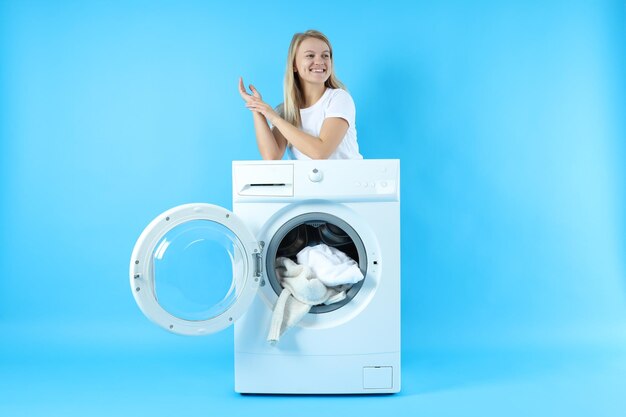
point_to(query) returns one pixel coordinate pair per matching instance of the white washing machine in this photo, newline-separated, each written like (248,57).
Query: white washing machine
(198,268)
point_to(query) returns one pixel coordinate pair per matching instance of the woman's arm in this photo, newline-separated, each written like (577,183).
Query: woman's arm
(331,134)
(271,143)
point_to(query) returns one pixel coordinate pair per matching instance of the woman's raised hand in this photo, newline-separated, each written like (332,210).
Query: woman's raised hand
(247,97)
(255,103)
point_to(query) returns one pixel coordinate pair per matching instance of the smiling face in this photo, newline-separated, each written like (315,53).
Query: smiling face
(313,62)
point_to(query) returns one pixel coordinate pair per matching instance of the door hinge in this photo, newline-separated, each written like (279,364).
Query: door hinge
(258,265)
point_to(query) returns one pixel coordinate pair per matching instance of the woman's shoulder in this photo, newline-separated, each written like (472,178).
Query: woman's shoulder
(339,97)
(339,92)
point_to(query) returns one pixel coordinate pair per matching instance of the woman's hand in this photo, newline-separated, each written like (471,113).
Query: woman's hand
(256,104)
(244,94)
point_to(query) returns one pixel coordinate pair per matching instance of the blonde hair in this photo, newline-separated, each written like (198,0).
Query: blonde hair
(293,94)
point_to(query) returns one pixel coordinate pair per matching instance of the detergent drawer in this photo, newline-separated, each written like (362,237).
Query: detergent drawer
(270,180)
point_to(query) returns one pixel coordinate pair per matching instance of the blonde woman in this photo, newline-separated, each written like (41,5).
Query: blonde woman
(316,119)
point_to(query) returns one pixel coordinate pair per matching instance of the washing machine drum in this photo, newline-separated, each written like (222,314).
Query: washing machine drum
(333,235)
(311,229)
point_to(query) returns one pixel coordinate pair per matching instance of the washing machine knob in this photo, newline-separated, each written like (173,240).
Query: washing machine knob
(316,175)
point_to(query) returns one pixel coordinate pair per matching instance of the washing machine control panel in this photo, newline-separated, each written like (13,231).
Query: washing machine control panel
(377,179)
(315,175)
(342,180)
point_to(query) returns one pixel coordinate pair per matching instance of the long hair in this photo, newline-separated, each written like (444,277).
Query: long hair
(293,94)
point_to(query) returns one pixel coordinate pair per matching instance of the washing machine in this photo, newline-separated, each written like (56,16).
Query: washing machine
(198,268)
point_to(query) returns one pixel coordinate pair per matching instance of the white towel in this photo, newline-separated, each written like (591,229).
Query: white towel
(330,265)
(301,291)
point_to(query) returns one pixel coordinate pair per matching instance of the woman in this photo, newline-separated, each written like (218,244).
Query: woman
(317,118)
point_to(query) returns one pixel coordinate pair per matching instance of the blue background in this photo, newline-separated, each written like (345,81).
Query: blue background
(509,121)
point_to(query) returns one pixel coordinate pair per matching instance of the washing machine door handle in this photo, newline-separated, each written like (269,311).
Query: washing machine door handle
(175,233)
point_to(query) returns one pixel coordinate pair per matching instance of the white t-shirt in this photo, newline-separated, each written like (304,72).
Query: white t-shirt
(335,102)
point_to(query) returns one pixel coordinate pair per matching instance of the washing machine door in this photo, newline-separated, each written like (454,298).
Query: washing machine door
(195,269)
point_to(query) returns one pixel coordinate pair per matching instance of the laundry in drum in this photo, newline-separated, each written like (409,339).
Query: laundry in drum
(322,275)
(330,265)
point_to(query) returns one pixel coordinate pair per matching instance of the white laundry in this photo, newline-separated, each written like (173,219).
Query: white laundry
(301,291)
(330,265)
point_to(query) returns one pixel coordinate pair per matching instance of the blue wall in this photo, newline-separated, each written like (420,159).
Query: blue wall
(508,119)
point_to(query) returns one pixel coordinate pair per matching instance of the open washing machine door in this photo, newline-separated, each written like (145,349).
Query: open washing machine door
(195,269)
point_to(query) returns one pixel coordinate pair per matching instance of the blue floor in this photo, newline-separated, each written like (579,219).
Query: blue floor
(94,372)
